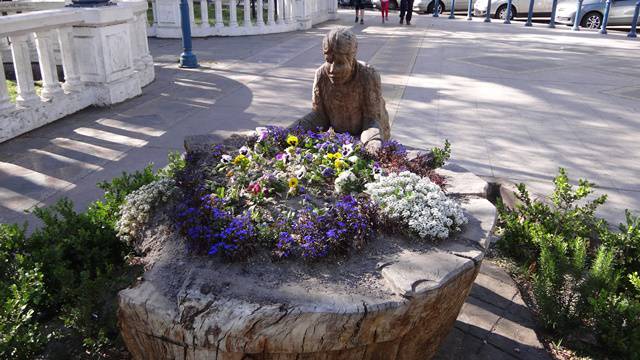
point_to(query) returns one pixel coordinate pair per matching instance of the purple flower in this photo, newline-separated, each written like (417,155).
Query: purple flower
(328,172)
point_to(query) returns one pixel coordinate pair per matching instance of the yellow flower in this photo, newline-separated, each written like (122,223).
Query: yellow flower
(337,155)
(292,140)
(339,164)
(239,159)
(293,183)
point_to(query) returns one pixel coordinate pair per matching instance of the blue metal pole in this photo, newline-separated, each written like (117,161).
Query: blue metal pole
(530,15)
(576,21)
(605,20)
(436,8)
(453,6)
(187,58)
(508,15)
(634,22)
(552,20)
(469,9)
(487,17)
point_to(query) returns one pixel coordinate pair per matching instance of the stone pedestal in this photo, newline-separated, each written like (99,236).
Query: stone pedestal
(229,313)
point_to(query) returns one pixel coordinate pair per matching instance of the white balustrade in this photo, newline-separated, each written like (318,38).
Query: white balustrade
(50,84)
(271,10)
(260,14)
(282,16)
(233,14)
(204,13)
(219,21)
(5,102)
(192,16)
(247,13)
(280,4)
(104,55)
(22,66)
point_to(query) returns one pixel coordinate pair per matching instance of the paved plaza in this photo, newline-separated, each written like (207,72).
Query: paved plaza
(516,103)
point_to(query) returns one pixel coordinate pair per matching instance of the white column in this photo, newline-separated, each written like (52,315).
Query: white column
(69,60)
(247,13)
(192,16)
(233,14)
(51,84)
(5,103)
(22,66)
(259,10)
(219,21)
(204,13)
(154,10)
(290,10)
(270,12)
(281,12)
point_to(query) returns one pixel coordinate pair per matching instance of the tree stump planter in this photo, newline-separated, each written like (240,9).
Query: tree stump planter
(396,302)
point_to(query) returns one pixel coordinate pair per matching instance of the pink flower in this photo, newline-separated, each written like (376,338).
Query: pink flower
(255,188)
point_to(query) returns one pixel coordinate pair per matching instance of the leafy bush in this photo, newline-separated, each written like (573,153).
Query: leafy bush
(584,276)
(440,155)
(21,291)
(67,272)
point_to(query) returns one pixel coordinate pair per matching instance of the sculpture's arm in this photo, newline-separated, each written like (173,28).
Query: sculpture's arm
(376,126)
(317,118)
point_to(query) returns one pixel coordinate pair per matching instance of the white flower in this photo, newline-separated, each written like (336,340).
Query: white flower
(244,150)
(353,159)
(225,159)
(300,172)
(343,180)
(417,202)
(347,149)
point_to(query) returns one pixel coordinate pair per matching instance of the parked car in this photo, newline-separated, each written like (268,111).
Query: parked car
(518,8)
(592,13)
(426,6)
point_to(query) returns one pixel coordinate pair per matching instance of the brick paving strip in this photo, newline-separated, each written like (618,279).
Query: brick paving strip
(515,102)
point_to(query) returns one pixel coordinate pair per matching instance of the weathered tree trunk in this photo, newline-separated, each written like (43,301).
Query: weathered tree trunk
(197,322)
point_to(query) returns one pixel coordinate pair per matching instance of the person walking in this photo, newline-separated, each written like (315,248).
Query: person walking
(384,8)
(359,8)
(406,9)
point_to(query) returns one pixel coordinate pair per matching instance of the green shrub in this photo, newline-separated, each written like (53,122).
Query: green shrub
(584,275)
(21,291)
(440,155)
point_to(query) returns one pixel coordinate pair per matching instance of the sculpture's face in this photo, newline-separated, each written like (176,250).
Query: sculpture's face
(340,66)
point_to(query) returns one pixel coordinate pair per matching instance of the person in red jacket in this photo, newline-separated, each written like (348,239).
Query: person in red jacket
(384,8)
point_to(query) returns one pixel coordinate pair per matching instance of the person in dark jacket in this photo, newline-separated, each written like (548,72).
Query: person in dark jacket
(359,8)
(406,9)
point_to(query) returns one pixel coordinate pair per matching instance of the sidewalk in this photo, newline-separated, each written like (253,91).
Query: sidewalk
(515,102)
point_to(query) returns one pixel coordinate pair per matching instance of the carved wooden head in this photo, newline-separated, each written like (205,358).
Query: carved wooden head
(340,47)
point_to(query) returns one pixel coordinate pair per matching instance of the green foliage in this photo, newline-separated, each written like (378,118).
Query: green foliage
(70,269)
(114,193)
(176,164)
(441,155)
(584,275)
(21,291)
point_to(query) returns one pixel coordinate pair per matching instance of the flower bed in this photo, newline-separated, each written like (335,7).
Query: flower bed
(291,244)
(299,194)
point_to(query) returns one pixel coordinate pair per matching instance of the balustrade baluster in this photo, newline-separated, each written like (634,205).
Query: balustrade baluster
(289,11)
(233,14)
(270,12)
(247,13)
(280,12)
(69,61)
(219,21)
(154,10)
(51,84)
(22,66)
(192,16)
(260,15)
(204,13)
(5,102)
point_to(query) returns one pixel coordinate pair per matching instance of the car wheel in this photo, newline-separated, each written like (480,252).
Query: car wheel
(501,13)
(592,20)
(430,8)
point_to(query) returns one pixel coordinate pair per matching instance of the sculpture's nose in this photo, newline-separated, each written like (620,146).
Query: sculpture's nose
(331,67)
